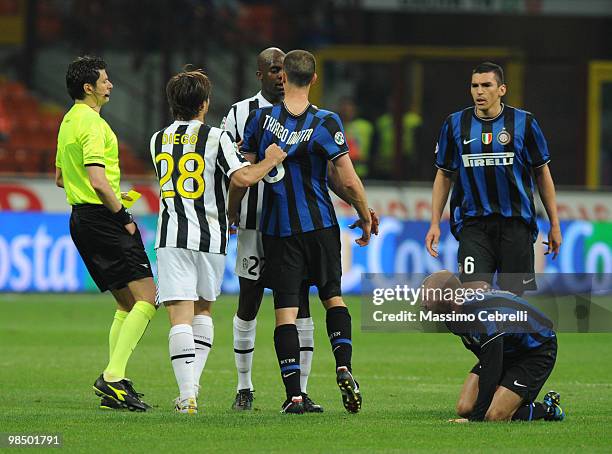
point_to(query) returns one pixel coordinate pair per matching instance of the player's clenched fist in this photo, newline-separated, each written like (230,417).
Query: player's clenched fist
(275,152)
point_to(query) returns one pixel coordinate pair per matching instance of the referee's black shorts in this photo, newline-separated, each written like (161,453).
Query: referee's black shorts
(112,256)
(311,257)
(497,244)
(526,375)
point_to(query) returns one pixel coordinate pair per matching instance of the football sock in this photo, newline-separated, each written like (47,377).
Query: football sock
(530,412)
(338,322)
(244,344)
(183,355)
(132,330)
(305,328)
(115,329)
(203,336)
(287,347)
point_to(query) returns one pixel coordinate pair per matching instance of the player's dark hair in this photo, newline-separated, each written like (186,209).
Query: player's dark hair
(490,67)
(83,70)
(186,91)
(299,65)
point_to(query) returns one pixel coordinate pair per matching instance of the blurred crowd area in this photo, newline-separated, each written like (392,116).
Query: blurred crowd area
(392,109)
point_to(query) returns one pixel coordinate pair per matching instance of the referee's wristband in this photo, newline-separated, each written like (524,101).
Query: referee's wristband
(123,216)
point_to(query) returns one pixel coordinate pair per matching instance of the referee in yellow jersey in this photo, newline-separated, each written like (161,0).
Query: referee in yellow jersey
(108,240)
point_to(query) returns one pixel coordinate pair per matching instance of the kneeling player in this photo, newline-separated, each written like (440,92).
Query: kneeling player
(515,357)
(191,160)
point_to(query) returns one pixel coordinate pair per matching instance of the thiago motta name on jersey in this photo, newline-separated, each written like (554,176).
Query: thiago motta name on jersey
(272,124)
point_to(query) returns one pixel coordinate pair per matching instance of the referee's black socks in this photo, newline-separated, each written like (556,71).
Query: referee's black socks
(339,331)
(287,345)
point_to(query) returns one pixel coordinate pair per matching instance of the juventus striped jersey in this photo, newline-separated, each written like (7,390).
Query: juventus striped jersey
(192,160)
(296,197)
(493,159)
(250,208)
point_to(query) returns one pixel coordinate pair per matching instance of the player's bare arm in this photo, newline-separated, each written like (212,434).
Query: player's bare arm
(59,179)
(439,196)
(97,178)
(249,175)
(336,187)
(546,188)
(352,187)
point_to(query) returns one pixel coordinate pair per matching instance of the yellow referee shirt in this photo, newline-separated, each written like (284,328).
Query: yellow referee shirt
(86,138)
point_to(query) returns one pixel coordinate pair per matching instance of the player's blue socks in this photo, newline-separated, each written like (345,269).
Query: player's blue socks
(287,345)
(339,331)
(530,412)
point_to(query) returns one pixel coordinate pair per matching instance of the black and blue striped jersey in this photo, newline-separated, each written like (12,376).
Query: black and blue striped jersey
(506,330)
(493,159)
(296,197)
(529,331)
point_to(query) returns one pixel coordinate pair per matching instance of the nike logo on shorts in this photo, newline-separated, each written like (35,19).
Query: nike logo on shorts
(528,280)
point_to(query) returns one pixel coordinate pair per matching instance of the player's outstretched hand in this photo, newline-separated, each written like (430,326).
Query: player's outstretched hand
(554,242)
(432,239)
(276,153)
(375,222)
(459,420)
(366,230)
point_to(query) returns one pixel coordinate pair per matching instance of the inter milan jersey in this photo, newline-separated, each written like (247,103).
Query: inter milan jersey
(296,197)
(493,159)
(498,341)
(529,331)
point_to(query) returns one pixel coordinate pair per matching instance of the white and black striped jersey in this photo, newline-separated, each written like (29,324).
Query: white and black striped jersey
(192,160)
(250,208)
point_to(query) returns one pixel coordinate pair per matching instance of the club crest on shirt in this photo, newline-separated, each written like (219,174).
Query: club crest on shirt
(487,138)
(339,138)
(504,137)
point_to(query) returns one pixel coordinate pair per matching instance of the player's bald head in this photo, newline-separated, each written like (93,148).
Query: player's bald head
(268,57)
(434,286)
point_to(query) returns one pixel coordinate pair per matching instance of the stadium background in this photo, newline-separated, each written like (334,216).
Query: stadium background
(404,64)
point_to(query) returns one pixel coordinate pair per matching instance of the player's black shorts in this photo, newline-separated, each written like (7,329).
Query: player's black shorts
(113,257)
(497,244)
(311,257)
(525,375)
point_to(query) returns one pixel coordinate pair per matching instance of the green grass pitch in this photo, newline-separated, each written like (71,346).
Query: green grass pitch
(52,347)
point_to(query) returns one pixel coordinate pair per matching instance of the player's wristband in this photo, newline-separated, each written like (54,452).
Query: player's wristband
(123,216)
